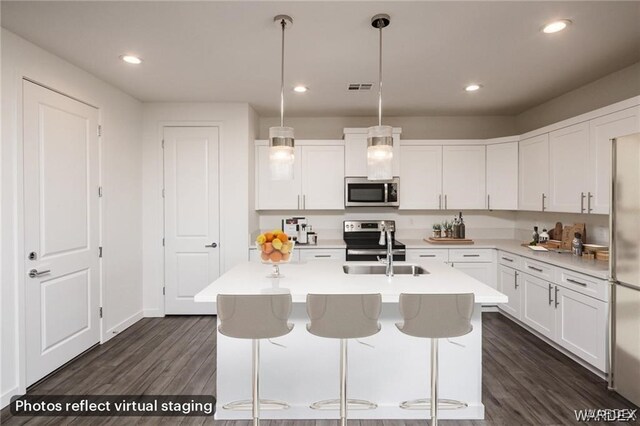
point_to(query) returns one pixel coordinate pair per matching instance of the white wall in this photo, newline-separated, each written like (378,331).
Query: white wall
(120,116)
(237,124)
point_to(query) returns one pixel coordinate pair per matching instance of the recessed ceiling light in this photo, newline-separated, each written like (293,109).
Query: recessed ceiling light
(473,87)
(130,59)
(556,26)
(300,89)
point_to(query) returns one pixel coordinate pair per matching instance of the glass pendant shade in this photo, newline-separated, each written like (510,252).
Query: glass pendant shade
(380,153)
(281,153)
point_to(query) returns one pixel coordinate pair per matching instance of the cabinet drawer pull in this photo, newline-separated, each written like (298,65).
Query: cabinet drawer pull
(427,255)
(535,269)
(470,255)
(576,282)
(556,298)
(322,255)
(507,259)
(550,298)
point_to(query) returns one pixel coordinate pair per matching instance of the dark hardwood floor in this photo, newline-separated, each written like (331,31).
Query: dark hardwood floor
(526,382)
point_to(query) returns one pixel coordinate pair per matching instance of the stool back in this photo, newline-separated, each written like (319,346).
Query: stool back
(344,316)
(260,316)
(436,315)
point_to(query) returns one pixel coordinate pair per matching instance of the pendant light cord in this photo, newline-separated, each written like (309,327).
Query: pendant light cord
(380,80)
(284,24)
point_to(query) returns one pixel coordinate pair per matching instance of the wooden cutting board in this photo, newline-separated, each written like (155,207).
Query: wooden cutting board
(448,241)
(569,231)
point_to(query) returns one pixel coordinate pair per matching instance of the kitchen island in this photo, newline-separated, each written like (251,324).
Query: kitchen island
(395,369)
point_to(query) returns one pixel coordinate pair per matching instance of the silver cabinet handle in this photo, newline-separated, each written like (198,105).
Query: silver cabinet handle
(445,201)
(556,298)
(582,197)
(304,201)
(589,197)
(576,282)
(543,198)
(470,255)
(427,255)
(488,202)
(535,269)
(550,298)
(322,255)
(212,245)
(507,259)
(299,208)
(440,201)
(515,280)
(34,273)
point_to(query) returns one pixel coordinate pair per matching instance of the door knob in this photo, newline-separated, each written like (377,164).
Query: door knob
(34,273)
(212,245)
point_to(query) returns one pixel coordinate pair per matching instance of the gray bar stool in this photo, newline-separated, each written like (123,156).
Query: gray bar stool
(344,316)
(435,316)
(255,317)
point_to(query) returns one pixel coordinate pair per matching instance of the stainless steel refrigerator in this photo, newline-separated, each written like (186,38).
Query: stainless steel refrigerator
(624,266)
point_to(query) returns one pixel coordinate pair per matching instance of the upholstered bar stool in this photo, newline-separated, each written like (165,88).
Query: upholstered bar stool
(435,316)
(344,316)
(255,317)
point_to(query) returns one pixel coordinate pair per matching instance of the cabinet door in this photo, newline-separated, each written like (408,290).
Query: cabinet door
(533,169)
(568,158)
(464,177)
(321,254)
(581,326)
(602,130)
(509,285)
(421,182)
(323,177)
(502,176)
(538,309)
(481,271)
(356,154)
(276,194)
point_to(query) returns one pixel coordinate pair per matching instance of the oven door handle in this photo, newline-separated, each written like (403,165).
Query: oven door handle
(374,252)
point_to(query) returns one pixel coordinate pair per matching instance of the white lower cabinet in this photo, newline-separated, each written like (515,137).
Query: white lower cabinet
(581,326)
(539,310)
(508,284)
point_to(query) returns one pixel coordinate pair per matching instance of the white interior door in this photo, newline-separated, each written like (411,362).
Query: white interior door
(61,229)
(192,223)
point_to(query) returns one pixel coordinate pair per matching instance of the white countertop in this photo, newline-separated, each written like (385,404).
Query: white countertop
(327,277)
(594,268)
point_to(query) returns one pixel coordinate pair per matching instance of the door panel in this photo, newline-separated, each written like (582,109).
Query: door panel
(281,194)
(421,181)
(191,216)
(464,177)
(502,176)
(539,311)
(533,171)
(569,153)
(61,228)
(509,285)
(323,177)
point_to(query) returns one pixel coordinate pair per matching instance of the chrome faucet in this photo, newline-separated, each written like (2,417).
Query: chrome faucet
(386,232)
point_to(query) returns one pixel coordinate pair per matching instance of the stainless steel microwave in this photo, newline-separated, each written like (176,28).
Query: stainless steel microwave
(360,192)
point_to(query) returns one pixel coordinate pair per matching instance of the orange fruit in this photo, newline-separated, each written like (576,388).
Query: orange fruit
(276,256)
(269,236)
(286,256)
(282,237)
(267,248)
(264,256)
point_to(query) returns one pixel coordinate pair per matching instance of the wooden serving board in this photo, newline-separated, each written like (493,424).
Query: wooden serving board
(448,240)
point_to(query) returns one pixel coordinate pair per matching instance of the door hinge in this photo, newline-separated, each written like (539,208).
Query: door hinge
(100,191)
(100,251)
(100,311)
(163,291)
(163,242)
(99,130)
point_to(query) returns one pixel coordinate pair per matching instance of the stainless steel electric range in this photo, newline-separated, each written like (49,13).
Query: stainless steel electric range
(365,240)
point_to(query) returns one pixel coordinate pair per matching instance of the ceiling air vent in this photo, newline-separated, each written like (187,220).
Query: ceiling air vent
(359,86)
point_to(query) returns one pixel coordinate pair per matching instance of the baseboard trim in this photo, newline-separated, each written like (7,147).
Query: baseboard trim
(5,399)
(153,313)
(123,325)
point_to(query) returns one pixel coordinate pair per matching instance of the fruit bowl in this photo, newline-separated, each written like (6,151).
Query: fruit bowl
(275,249)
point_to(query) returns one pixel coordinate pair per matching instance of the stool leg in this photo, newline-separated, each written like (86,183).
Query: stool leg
(343,382)
(434,382)
(256,384)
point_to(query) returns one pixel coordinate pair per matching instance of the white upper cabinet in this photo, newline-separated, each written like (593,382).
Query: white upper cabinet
(602,130)
(421,181)
(463,177)
(502,176)
(534,173)
(276,194)
(568,156)
(323,177)
(318,181)
(355,142)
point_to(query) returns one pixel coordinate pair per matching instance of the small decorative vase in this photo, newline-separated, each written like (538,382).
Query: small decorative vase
(436,233)
(448,233)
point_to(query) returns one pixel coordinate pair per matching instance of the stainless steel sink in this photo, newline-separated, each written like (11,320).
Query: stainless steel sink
(381,269)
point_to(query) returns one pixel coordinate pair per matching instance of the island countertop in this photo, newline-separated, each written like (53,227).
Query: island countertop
(328,277)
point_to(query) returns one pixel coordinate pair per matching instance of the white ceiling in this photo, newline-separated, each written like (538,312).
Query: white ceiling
(230,51)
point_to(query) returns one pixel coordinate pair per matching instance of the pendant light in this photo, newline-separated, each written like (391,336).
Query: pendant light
(380,138)
(281,140)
